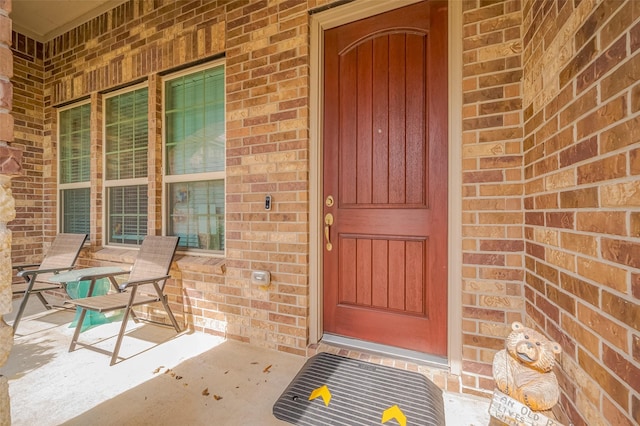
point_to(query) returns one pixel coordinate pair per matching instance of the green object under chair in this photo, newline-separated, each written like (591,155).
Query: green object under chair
(79,289)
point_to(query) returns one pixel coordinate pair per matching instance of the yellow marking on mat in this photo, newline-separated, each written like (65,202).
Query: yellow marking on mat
(322,391)
(394,413)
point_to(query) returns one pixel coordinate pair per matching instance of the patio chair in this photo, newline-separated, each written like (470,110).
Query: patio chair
(60,257)
(145,285)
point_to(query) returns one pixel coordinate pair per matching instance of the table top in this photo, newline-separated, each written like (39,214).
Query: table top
(87,274)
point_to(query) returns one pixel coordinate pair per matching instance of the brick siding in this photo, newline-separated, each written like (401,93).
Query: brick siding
(550,208)
(492,185)
(266,55)
(28,104)
(580,103)
(10,166)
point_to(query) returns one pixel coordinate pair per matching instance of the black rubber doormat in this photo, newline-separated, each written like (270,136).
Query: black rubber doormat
(334,390)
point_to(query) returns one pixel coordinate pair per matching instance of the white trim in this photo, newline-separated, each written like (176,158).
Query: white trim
(75,185)
(315,181)
(72,106)
(127,89)
(191,177)
(196,68)
(62,186)
(356,10)
(386,351)
(454,219)
(116,183)
(194,177)
(97,10)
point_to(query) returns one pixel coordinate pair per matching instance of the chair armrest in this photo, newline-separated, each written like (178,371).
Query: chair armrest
(89,277)
(44,271)
(24,266)
(123,286)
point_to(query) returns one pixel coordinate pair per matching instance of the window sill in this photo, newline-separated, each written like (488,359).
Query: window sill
(203,264)
(118,255)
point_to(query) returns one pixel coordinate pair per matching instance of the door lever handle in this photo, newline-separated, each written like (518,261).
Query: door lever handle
(328,221)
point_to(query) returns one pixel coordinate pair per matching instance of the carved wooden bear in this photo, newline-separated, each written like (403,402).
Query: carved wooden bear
(523,369)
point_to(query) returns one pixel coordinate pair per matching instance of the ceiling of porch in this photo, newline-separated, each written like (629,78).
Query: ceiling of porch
(43,20)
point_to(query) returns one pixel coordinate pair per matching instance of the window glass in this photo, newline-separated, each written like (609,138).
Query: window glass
(195,158)
(194,116)
(126,165)
(127,214)
(197,214)
(126,135)
(74,138)
(75,210)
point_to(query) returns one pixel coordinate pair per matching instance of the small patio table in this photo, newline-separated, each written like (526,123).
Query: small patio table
(89,282)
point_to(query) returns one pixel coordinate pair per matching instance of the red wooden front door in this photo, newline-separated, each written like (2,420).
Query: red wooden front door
(385,179)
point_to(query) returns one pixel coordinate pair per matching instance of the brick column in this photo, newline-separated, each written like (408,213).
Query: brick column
(154,213)
(97,196)
(10,165)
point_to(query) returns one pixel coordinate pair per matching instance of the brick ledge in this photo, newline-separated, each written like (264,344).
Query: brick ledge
(204,264)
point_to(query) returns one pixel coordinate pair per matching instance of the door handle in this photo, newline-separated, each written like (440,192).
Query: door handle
(328,221)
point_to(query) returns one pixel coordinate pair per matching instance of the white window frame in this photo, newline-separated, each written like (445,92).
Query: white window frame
(75,185)
(117,183)
(194,177)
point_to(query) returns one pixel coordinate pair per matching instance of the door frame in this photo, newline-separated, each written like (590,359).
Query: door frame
(354,11)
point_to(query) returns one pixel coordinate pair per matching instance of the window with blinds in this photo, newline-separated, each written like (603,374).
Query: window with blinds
(195,157)
(127,213)
(126,158)
(74,139)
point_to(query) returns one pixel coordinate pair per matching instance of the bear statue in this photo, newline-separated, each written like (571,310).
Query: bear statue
(523,370)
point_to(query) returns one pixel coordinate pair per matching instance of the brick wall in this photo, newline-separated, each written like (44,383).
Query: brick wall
(267,153)
(549,164)
(492,185)
(266,51)
(581,102)
(8,167)
(28,101)
(266,48)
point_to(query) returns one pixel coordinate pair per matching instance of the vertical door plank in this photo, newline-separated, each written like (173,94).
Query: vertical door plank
(415,276)
(381,120)
(416,115)
(347,283)
(348,131)
(380,278)
(396,274)
(364,118)
(397,107)
(363,257)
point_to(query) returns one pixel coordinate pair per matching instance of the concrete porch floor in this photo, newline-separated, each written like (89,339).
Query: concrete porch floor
(165,379)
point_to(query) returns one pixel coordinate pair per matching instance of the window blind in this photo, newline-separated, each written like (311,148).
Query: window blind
(76,210)
(195,123)
(127,214)
(126,157)
(74,138)
(126,135)
(195,144)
